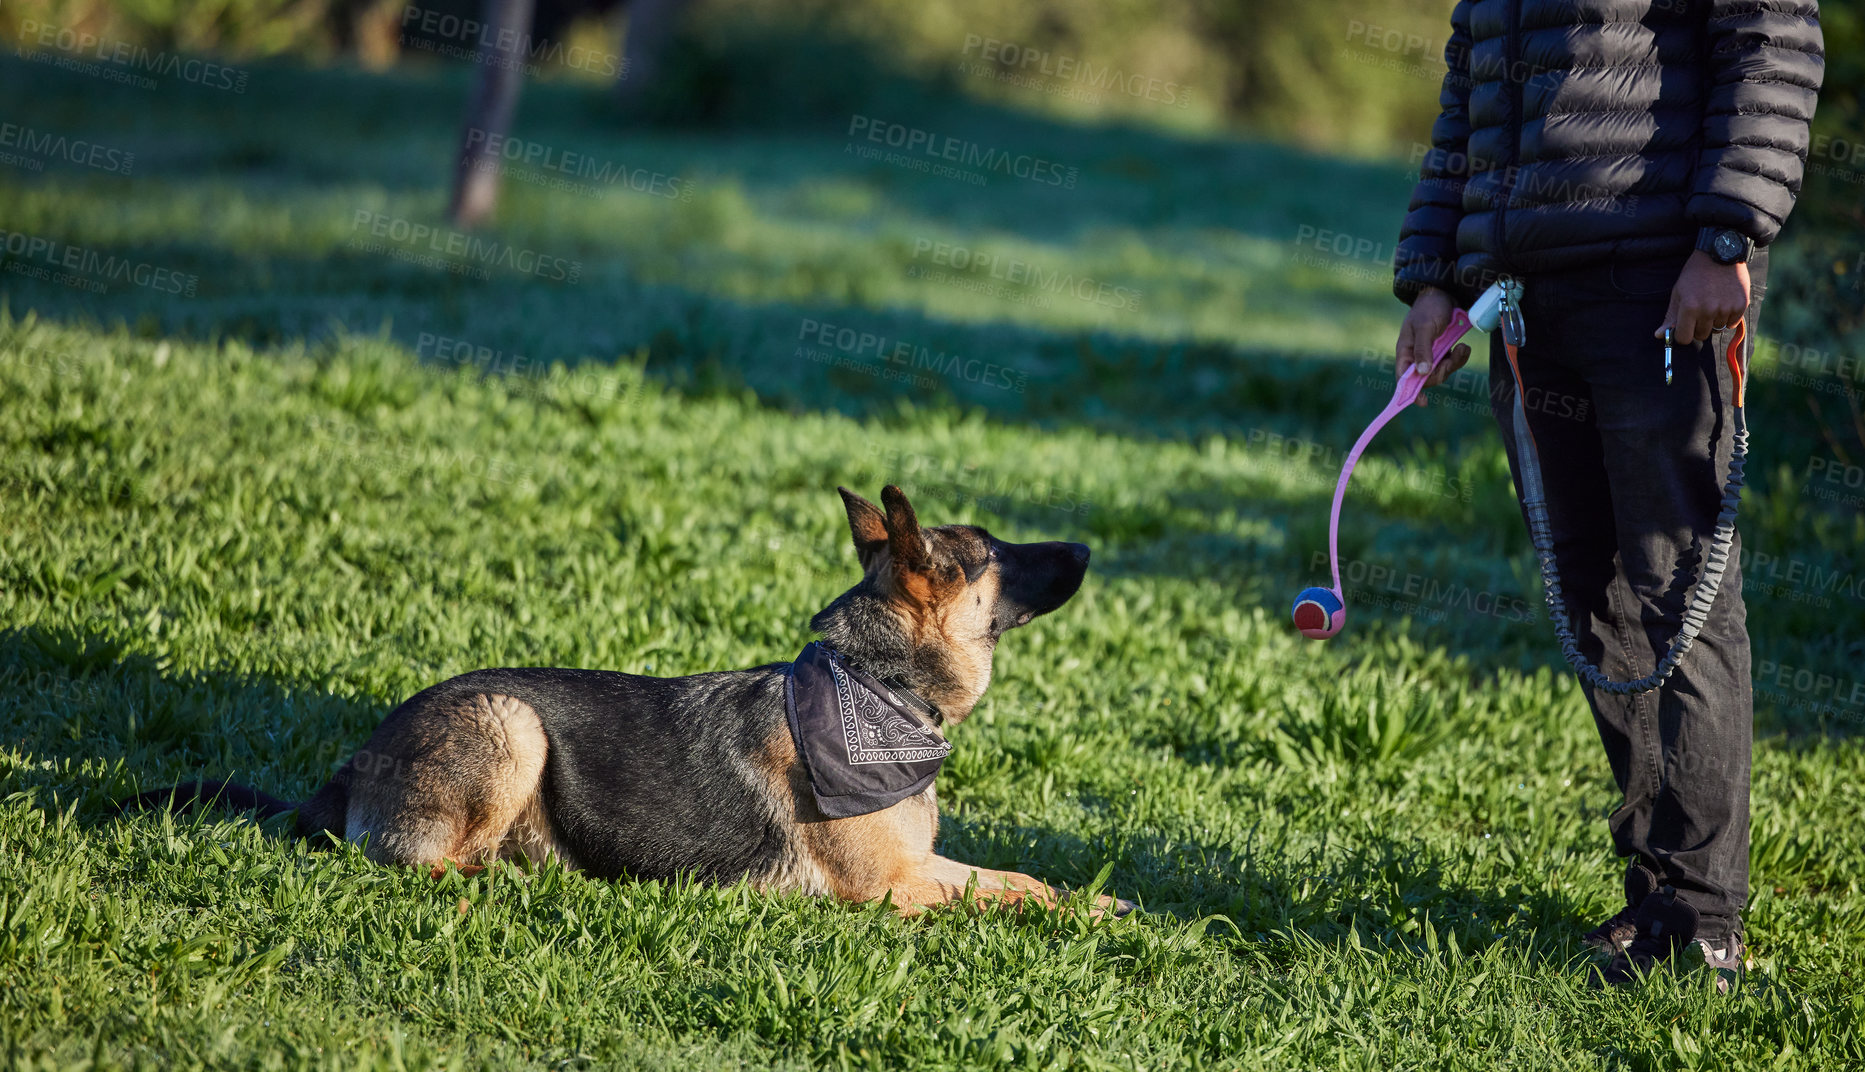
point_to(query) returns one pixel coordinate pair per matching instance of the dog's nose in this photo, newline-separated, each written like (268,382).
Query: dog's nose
(1080,551)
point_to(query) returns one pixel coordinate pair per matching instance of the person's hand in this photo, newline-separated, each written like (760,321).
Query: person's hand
(1430,315)
(1707,296)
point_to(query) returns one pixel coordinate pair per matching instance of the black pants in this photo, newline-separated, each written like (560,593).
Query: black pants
(1634,472)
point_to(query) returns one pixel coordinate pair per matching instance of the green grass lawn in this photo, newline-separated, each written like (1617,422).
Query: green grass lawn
(239,524)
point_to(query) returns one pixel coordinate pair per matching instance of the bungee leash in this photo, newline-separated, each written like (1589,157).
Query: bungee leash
(1320,613)
(1540,530)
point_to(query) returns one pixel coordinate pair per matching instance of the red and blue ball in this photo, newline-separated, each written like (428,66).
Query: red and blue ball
(1319,613)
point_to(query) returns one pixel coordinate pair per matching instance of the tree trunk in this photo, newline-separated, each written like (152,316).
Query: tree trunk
(650,23)
(489,117)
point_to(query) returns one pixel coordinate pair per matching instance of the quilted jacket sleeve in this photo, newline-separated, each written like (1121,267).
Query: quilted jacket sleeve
(1766,62)
(1427,250)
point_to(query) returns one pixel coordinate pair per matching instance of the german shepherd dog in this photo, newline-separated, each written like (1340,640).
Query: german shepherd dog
(616,774)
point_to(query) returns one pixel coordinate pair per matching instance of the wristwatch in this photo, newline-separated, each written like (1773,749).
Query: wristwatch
(1726,246)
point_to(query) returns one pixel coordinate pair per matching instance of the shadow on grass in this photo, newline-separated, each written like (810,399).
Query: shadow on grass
(102,722)
(312,134)
(1382,892)
(700,344)
(294,126)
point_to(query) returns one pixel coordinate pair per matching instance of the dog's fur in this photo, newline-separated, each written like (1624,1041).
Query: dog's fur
(654,777)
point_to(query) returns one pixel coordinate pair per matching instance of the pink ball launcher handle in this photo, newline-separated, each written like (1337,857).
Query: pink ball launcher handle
(1404,393)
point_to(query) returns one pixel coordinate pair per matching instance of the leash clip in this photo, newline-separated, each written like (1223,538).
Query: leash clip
(1511,313)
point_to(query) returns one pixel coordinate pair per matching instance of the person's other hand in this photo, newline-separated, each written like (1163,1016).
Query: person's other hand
(1430,315)
(1707,296)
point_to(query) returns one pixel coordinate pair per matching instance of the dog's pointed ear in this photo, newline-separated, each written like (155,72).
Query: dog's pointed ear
(866,524)
(903,531)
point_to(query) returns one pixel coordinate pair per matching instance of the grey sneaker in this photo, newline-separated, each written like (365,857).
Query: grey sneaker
(1725,956)
(1616,933)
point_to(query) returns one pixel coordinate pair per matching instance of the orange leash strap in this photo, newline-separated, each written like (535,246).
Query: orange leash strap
(1737,356)
(1515,367)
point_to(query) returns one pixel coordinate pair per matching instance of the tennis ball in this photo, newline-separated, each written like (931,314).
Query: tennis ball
(1319,613)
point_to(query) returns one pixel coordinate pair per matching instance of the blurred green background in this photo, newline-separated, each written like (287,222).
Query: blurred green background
(1337,74)
(1345,77)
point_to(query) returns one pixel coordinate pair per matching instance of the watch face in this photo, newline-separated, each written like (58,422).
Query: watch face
(1729,247)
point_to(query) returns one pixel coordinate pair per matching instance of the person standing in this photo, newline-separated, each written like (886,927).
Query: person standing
(1630,163)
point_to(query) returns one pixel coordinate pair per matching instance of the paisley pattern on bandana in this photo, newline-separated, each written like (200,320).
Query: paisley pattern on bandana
(865,746)
(876,730)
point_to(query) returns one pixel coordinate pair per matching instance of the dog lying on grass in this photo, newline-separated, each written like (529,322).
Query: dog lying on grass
(813,777)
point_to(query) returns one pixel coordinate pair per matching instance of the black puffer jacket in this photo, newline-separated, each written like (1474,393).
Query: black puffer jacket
(1578,131)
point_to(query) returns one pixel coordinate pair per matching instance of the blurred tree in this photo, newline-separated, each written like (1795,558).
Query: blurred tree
(512,28)
(489,115)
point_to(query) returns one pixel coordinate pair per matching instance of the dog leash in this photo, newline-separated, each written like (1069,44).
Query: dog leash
(1540,531)
(1320,613)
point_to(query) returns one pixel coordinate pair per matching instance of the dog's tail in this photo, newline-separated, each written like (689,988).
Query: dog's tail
(226,794)
(323,813)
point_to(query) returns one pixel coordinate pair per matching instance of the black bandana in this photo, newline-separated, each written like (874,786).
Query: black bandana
(864,745)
